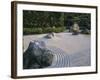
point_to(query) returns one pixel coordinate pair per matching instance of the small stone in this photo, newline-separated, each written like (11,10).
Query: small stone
(50,35)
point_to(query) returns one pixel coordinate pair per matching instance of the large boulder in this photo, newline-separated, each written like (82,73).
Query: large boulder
(37,56)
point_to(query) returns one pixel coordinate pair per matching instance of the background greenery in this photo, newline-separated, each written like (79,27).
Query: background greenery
(38,22)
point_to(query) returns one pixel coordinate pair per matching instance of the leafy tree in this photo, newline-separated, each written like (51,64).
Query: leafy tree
(34,21)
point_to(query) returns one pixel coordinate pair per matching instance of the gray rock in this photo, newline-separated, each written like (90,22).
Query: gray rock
(75,29)
(37,56)
(50,35)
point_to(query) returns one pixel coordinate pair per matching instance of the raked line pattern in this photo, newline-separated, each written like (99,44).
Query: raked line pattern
(62,59)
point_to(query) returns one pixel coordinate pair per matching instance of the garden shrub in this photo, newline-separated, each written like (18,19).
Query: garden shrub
(85,31)
(54,29)
(42,30)
(48,30)
(59,29)
(32,31)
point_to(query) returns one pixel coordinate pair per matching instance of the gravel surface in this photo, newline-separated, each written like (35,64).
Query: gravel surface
(69,50)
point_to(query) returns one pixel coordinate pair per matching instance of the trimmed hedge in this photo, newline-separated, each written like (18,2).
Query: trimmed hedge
(27,31)
(32,31)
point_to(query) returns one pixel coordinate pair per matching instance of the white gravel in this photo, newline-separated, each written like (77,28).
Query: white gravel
(77,47)
(66,41)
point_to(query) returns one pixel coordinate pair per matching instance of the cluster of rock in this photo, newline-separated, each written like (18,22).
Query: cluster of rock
(50,35)
(76,30)
(37,56)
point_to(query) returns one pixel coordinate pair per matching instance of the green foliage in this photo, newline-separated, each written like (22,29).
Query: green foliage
(45,21)
(48,30)
(59,29)
(42,30)
(83,19)
(42,19)
(85,31)
(56,29)
(32,31)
